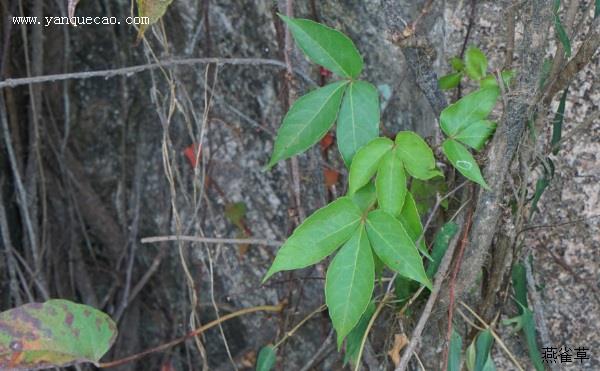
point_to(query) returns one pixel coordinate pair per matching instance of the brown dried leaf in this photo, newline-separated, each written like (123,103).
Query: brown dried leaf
(400,341)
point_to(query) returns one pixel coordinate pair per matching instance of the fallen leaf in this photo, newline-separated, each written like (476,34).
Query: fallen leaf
(400,341)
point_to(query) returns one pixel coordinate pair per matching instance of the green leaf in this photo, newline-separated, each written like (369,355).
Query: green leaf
(483,345)
(542,183)
(358,120)
(266,358)
(455,351)
(411,221)
(354,338)
(463,161)
(365,163)
(450,81)
(394,246)
(471,108)
(490,80)
(457,64)
(326,47)
(557,123)
(562,36)
(391,184)
(476,134)
(526,321)
(318,236)
(56,333)
(307,121)
(440,245)
(475,63)
(416,155)
(425,193)
(597,9)
(365,197)
(349,283)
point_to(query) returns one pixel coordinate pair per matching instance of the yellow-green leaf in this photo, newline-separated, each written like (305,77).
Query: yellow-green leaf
(154,10)
(53,334)
(463,161)
(416,155)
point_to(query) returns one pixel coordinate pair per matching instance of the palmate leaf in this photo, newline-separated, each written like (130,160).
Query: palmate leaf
(463,161)
(394,246)
(56,333)
(416,155)
(318,236)
(391,184)
(349,283)
(326,47)
(475,63)
(358,120)
(366,162)
(307,121)
(471,108)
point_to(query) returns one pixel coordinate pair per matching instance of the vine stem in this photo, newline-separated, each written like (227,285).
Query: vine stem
(194,333)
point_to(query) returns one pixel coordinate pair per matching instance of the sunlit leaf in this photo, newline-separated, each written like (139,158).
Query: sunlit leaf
(318,236)
(394,246)
(475,63)
(154,10)
(349,283)
(358,120)
(463,161)
(476,134)
(56,333)
(326,47)
(366,161)
(449,81)
(307,121)
(391,184)
(471,108)
(416,155)
(266,358)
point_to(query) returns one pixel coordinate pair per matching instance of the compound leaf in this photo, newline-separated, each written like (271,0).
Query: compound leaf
(472,107)
(326,47)
(358,120)
(476,134)
(366,161)
(349,283)
(463,161)
(475,63)
(307,121)
(416,155)
(266,358)
(56,333)
(318,236)
(394,246)
(391,184)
